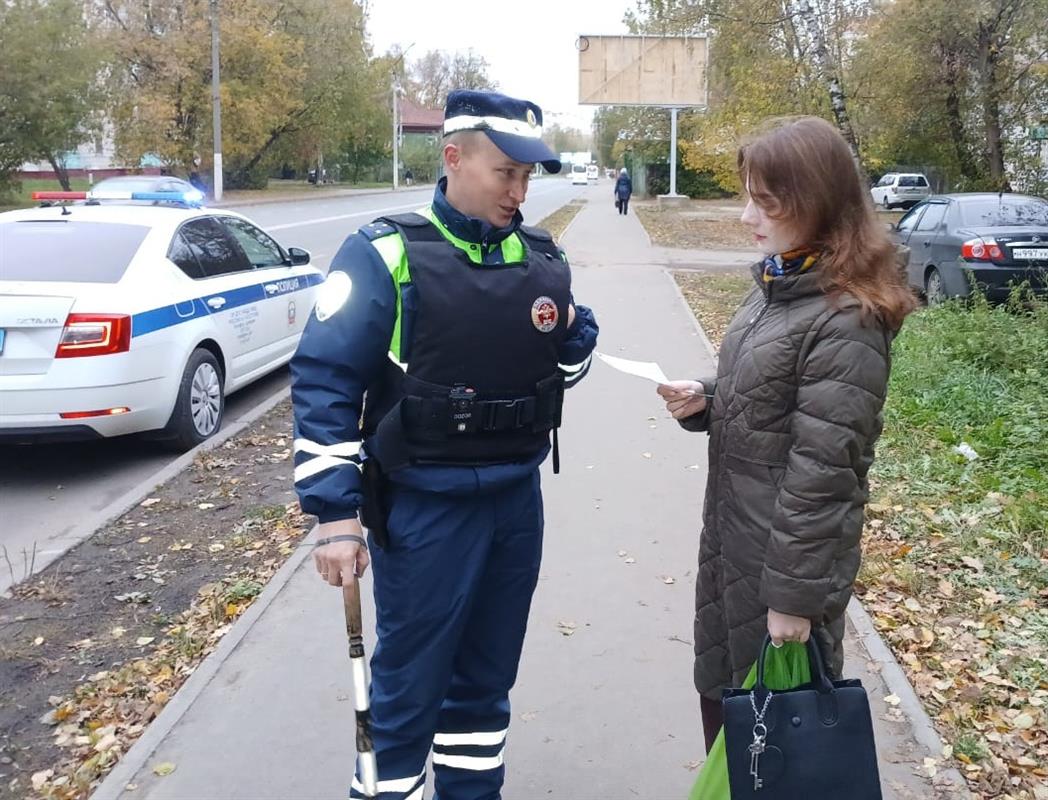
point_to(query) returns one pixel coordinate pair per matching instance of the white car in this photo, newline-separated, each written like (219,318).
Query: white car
(119,318)
(578,175)
(592,172)
(900,189)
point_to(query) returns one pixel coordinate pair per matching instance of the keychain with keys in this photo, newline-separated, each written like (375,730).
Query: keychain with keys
(760,733)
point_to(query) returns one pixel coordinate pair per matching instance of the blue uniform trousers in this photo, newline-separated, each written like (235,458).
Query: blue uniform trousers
(452,595)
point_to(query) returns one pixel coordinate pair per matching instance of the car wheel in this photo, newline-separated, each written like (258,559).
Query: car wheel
(934,291)
(885,204)
(200,404)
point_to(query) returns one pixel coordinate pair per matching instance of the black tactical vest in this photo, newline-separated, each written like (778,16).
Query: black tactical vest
(482,384)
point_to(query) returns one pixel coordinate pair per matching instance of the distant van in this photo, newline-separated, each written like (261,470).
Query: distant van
(592,172)
(578,174)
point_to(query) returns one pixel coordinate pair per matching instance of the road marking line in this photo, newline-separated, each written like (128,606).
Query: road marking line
(373,213)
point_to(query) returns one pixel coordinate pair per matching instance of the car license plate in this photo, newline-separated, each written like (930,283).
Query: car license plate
(1022,254)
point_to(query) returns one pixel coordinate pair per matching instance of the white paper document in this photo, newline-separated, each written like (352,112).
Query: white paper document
(648,370)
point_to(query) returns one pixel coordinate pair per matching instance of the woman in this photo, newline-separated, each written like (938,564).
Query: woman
(623,190)
(794,411)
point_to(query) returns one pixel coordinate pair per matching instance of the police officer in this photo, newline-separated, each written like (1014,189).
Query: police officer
(459,325)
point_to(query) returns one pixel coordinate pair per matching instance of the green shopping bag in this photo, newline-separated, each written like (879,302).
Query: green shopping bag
(784,668)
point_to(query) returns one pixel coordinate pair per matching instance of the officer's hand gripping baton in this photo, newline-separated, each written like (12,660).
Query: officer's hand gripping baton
(361,687)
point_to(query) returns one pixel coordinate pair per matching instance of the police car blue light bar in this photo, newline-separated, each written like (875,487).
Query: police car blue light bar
(193,197)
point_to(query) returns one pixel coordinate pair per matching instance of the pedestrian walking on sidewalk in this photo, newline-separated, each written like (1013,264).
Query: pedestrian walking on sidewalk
(459,324)
(794,410)
(623,191)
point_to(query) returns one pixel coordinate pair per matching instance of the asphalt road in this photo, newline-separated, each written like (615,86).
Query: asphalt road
(46,490)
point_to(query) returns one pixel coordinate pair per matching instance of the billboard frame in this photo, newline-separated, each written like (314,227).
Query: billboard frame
(585,37)
(673,107)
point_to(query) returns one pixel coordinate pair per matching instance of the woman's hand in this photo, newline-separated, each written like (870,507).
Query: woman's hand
(683,398)
(787,628)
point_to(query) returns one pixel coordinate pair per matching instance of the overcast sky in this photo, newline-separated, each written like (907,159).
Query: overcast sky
(529,44)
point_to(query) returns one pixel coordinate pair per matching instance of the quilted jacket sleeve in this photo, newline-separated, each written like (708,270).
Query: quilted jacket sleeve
(843,377)
(698,423)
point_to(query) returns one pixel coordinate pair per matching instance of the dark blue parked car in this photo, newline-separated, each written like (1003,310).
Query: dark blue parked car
(996,239)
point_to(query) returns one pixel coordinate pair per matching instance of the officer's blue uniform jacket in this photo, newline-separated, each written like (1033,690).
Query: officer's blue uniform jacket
(339,356)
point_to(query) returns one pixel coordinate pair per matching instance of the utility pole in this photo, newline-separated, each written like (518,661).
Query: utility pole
(396,131)
(673,153)
(216,101)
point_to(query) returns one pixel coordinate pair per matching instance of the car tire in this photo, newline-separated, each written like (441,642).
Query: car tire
(885,204)
(934,289)
(197,415)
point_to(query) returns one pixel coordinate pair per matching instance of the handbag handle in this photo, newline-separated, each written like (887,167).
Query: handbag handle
(818,668)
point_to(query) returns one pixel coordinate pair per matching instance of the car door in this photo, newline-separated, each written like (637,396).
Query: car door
(923,237)
(286,288)
(230,292)
(878,191)
(902,232)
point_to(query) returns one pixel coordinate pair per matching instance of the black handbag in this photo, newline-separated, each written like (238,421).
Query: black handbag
(814,742)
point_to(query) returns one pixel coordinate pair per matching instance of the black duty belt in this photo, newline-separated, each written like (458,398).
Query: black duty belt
(459,410)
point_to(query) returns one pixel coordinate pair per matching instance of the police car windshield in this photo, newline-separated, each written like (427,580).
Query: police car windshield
(59,250)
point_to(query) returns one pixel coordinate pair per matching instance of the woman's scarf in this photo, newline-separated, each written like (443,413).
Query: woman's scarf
(789,263)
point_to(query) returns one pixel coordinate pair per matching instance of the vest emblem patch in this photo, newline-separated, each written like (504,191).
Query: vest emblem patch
(544,314)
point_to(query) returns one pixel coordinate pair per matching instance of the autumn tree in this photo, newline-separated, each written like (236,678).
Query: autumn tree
(975,78)
(767,59)
(434,75)
(292,75)
(50,69)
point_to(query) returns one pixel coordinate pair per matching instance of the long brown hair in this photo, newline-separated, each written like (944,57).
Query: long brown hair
(800,169)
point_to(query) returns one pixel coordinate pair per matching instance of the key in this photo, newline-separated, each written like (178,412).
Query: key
(755,754)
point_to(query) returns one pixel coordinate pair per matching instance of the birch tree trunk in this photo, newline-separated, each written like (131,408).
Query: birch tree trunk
(828,73)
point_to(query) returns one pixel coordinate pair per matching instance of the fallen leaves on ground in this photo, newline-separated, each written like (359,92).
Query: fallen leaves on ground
(698,224)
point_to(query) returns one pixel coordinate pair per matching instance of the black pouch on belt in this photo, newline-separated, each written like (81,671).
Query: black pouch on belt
(374,511)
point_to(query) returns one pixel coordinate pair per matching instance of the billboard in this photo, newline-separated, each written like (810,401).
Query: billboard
(667,71)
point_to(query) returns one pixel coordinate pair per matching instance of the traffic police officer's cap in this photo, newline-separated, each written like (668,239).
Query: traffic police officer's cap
(515,126)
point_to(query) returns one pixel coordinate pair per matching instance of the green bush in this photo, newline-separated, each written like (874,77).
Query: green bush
(697,185)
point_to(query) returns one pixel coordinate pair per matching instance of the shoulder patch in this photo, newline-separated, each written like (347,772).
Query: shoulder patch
(376,230)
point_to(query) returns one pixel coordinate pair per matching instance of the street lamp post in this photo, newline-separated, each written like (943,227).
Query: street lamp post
(216,102)
(397,91)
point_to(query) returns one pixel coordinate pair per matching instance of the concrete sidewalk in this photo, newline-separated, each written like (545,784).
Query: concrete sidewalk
(607,712)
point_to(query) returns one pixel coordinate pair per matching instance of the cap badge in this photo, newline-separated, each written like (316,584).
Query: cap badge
(531,118)
(544,314)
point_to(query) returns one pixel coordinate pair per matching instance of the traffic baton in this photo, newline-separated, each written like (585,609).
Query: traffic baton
(361,688)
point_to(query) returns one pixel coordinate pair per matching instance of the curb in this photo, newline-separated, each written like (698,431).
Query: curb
(137,493)
(921,726)
(571,221)
(114,784)
(924,732)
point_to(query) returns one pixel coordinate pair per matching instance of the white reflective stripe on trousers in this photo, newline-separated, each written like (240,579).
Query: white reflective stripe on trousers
(475,763)
(478,738)
(396,785)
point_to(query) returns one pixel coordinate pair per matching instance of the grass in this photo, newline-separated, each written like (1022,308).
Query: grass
(955,571)
(23,198)
(557,222)
(714,297)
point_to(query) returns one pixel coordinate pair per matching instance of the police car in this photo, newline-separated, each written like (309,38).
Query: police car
(139,313)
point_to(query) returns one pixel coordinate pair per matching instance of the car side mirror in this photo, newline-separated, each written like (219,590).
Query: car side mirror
(299,257)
